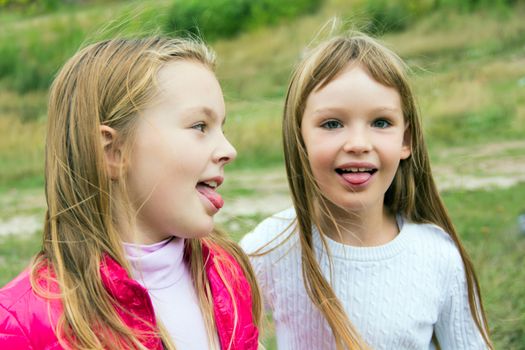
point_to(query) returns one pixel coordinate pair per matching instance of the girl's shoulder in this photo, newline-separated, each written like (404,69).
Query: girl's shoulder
(16,290)
(27,319)
(433,243)
(427,232)
(271,233)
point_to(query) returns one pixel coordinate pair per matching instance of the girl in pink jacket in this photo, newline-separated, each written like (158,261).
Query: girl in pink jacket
(130,258)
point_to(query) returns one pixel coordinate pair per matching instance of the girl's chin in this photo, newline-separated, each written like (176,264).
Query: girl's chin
(202,231)
(345,208)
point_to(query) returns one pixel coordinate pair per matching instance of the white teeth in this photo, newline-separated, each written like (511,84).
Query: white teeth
(356,170)
(211,184)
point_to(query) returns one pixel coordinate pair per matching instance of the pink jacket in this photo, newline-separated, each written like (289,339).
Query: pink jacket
(27,321)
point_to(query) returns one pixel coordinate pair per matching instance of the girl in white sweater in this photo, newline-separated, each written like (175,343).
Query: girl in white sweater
(368,256)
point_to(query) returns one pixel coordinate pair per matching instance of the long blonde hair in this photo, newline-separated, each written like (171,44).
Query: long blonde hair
(421,205)
(106,83)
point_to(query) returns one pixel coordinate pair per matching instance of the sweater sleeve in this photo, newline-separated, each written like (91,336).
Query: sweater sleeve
(250,244)
(456,328)
(12,335)
(266,245)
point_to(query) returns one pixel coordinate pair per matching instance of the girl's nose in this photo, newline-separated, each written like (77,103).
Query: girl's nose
(357,141)
(226,153)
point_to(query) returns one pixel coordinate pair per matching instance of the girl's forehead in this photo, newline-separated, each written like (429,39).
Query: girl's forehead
(328,77)
(186,89)
(353,79)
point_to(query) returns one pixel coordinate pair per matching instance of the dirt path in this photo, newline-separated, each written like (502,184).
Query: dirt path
(264,192)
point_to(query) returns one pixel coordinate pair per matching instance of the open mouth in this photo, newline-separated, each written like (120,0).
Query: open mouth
(356,176)
(341,171)
(208,190)
(210,184)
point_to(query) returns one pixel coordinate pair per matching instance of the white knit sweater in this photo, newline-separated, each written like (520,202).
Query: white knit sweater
(396,295)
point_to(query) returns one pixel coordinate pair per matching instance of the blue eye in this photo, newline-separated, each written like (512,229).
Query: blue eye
(381,123)
(331,124)
(199,126)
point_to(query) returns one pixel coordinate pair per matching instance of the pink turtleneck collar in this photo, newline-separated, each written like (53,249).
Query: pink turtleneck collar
(161,269)
(159,265)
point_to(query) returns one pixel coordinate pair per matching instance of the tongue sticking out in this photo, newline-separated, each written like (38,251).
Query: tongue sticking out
(211,195)
(356,178)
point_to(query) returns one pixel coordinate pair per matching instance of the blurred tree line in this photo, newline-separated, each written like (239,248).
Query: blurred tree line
(396,15)
(30,55)
(215,19)
(36,6)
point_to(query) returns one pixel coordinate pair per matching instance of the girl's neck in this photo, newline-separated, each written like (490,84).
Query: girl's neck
(130,232)
(365,228)
(129,226)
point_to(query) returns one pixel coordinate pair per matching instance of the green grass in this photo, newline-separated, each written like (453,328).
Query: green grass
(15,254)
(487,223)
(21,152)
(238,226)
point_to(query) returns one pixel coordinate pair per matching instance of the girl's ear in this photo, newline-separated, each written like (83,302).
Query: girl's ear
(406,149)
(112,151)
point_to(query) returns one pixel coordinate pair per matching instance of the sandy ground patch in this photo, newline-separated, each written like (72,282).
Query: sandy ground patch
(20,225)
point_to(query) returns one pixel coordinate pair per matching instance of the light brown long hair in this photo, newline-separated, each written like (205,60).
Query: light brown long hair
(106,83)
(412,193)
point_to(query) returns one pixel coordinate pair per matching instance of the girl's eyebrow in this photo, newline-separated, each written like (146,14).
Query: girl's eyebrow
(208,112)
(324,110)
(388,109)
(201,110)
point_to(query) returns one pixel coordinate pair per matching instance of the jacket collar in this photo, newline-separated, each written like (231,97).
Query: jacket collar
(132,301)
(229,288)
(232,301)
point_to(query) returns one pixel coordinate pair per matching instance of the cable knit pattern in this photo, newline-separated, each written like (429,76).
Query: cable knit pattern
(397,295)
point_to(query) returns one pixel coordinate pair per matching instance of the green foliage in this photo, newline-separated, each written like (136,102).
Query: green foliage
(386,15)
(215,19)
(212,19)
(396,15)
(31,64)
(8,57)
(263,12)
(32,7)
(473,126)
(30,56)
(32,50)
(472,5)
(35,7)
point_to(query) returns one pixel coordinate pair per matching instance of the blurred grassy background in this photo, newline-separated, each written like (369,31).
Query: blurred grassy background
(468,68)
